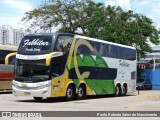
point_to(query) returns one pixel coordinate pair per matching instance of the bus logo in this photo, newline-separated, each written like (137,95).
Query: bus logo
(23,85)
(123,63)
(35,42)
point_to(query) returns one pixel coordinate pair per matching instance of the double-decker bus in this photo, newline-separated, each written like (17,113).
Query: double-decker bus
(68,65)
(7,56)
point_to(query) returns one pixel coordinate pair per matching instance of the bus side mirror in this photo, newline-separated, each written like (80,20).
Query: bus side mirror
(53,54)
(48,59)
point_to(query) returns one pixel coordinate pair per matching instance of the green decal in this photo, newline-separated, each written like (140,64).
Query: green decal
(98,86)
(100,62)
(89,61)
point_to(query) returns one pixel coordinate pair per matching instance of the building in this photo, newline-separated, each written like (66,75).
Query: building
(10,36)
(3,36)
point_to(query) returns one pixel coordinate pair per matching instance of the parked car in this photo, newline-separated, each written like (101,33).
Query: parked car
(145,85)
(157,66)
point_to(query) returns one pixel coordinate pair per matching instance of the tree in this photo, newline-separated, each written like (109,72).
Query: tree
(67,14)
(124,27)
(97,21)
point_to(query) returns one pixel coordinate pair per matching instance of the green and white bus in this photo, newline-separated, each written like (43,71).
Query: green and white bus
(66,65)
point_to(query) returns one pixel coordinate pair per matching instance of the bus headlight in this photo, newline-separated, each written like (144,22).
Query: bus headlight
(48,84)
(15,84)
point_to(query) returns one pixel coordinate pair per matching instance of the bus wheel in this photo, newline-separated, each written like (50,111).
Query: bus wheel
(124,90)
(38,99)
(69,93)
(81,93)
(117,91)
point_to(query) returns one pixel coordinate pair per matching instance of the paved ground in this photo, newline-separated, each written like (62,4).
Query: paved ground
(146,101)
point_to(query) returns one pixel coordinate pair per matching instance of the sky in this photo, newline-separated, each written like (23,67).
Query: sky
(12,11)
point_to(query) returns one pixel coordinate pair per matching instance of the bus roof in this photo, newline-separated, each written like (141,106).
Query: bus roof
(34,34)
(8,47)
(103,41)
(56,33)
(79,36)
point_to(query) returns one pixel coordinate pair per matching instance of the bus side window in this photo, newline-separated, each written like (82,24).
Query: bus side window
(55,68)
(105,52)
(122,53)
(58,65)
(63,43)
(11,60)
(58,47)
(3,54)
(67,47)
(131,54)
(109,50)
(101,49)
(114,53)
(96,46)
(82,49)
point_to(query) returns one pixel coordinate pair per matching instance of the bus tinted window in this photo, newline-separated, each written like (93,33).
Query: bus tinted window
(128,54)
(3,54)
(131,54)
(113,51)
(102,49)
(107,50)
(96,47)
(82,49)
(11,60)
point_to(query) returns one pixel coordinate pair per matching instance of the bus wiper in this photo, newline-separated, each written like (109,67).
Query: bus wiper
(43,78)
(55,74)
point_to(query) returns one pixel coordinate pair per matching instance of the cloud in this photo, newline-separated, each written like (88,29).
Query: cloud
(149,8)
(12,22)
(141,2)
(153,13)
(125,4)
(21,5)
(110,2)
(12,11)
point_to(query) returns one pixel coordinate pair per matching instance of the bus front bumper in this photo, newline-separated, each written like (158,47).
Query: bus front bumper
(32,89)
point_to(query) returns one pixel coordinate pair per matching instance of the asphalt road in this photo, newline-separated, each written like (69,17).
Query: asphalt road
(146,101)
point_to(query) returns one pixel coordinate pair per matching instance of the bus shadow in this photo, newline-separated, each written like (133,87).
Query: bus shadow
(62,99)
(1,92)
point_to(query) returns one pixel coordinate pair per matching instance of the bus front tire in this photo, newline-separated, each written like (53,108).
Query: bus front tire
(69,93)
(81,93)
(38,99)
(117,91)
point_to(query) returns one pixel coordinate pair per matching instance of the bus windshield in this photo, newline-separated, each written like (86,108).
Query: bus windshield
(31,70)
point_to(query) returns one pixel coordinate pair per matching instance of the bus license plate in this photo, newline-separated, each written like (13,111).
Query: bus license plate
(27,93)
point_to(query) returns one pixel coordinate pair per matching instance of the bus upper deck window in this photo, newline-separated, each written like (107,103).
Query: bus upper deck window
(63,43)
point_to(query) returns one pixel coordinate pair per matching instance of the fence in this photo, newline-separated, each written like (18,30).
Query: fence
(154,77)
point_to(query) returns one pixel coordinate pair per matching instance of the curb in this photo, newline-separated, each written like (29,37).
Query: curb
(149,96)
